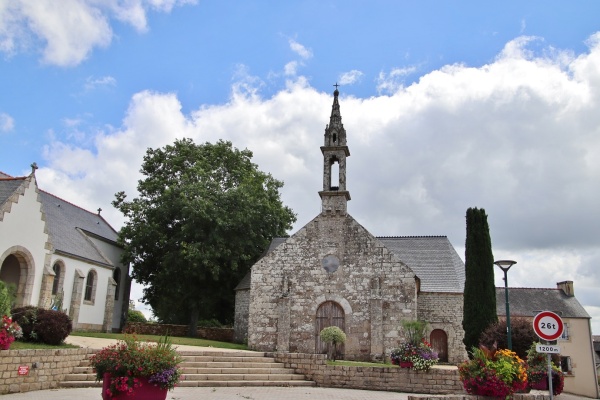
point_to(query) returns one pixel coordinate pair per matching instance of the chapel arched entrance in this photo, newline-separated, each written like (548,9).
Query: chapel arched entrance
(14,272)
(439,343)
(329,313)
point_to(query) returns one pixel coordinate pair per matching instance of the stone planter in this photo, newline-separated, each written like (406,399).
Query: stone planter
(146,391)
(406,364)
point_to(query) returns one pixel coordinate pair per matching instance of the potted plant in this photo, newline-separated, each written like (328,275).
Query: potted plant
(415,352)
(537,371)
(138,370)
(9,332)
(493,373)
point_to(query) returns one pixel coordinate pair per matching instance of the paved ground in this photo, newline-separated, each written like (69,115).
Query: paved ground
(220,393)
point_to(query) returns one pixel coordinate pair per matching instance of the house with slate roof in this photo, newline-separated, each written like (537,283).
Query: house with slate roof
(59,255)
(576,344)
(334,272)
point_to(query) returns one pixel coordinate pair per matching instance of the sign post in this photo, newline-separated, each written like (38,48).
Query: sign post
(548,326)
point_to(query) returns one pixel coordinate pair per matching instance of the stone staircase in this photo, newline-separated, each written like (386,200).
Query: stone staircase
(212,369)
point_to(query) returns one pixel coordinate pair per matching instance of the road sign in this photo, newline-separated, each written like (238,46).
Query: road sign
(547,348)
(548,325)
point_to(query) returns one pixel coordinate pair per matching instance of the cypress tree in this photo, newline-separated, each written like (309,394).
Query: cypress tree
(479,309)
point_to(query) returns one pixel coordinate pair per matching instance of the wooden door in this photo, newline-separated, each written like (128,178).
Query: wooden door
(439,343)
(329,313)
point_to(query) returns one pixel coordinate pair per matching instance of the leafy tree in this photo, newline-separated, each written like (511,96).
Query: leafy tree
(136,316)
(332,335)
(479,309)
(203,216)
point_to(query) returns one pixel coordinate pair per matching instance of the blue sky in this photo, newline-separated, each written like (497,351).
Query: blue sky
(447,105)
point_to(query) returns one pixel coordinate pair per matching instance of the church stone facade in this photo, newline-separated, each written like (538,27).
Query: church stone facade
(334,272)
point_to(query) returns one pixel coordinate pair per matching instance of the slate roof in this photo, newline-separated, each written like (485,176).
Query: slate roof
(8,186)
(68,225)
(431,258)
(527,302)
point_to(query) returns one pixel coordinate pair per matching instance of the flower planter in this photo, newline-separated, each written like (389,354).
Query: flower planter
(541,385)
(5,346)
(147,391)
(406,364)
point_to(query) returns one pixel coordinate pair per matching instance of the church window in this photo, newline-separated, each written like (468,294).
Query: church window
(117,278)
(90,287)
(330,263)
(58,278)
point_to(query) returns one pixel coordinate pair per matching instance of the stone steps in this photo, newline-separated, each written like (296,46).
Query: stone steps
(212,369)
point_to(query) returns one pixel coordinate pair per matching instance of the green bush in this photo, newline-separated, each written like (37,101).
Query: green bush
(332,335)
(6,298)
(43,326)
(136,316)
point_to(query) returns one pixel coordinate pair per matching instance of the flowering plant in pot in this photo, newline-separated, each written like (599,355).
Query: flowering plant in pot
(420,357)
(493,373)
(9,332)
(128,366)
(537,371)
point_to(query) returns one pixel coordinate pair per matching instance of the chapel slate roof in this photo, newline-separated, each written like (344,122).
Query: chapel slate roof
(68,225)
(431,258)
(527,302)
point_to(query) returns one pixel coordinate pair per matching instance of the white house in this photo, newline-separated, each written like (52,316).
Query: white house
(59,255)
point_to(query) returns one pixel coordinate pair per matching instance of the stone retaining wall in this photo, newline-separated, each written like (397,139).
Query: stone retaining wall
(46,368)
(393,379)
(219,334)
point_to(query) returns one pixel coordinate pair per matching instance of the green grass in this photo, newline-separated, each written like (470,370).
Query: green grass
(184,341)
(18,345)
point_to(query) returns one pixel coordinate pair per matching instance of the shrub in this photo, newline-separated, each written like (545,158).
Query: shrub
(332,335)
(136,316)
(6,298)
(522,335)
(43,326)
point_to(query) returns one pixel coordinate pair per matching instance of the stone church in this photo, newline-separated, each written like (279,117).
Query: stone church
(334,272)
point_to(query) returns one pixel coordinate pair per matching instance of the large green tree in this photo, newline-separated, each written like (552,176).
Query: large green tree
(480,293)
(203,216)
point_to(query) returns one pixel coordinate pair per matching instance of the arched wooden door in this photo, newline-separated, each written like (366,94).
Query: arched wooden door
(329,313)
(439,343)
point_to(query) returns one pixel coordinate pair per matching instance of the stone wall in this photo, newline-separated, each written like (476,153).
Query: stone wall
(242,304)
(445,311)
(393,379)
(219,334)
(46,368)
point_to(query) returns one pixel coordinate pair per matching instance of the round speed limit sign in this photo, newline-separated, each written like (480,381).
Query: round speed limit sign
(548,325)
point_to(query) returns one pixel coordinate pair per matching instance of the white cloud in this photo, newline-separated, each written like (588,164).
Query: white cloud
(518,137)
(92,83)
(394,80)
(7,123)
(69,30)
(299,49)
(350,77)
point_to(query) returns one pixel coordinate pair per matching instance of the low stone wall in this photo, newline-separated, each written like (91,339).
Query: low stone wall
(46,368)
(219,334)
(393,379)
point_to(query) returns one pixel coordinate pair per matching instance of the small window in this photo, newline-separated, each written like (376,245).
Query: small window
(90,287)
(117,278)
(565,334)
(565,365)
(330,263)
(58,275)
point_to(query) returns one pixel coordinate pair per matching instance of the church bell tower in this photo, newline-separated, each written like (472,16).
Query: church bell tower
(334,196)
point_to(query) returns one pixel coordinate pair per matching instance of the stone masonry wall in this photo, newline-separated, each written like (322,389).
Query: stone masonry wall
(374,288)
(314,367)
(46,368)
(219,334)
(242,304)
(445,311)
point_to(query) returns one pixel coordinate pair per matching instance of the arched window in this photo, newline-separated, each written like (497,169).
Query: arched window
(117,278)
(58,278)
(90,287)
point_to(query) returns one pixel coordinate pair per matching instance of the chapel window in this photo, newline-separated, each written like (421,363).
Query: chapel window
(90,287)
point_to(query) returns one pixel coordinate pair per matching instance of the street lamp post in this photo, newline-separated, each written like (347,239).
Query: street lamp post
(505,266)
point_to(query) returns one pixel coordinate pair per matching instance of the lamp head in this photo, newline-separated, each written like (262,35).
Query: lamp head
(505,264)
